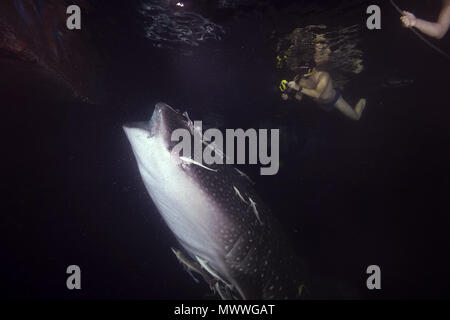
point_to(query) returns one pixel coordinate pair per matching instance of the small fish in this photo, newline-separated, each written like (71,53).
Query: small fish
(189,160)
(253,205)
(188,265)
(245,176)
(239,194)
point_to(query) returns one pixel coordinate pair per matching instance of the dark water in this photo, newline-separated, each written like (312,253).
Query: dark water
(349,194)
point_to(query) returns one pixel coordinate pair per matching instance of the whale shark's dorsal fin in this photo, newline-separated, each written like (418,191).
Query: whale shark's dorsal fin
(255,210)
(189,160)
(239,194)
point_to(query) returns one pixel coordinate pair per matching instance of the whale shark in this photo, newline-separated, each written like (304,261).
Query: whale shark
(227,233)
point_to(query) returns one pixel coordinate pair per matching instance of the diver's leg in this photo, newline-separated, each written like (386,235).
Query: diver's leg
(360,106)
(347,110)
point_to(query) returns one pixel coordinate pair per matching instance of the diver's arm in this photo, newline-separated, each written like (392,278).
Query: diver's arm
(433,29)
(321,86)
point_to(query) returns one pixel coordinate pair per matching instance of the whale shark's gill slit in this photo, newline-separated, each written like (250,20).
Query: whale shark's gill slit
(189,160)
(236,247)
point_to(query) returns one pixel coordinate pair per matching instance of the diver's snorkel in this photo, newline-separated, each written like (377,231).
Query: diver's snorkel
(305,72)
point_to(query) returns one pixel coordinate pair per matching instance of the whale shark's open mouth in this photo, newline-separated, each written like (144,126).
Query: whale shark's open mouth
(163,117)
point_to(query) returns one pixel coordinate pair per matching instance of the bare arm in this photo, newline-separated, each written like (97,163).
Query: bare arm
(321,86)
(433,29)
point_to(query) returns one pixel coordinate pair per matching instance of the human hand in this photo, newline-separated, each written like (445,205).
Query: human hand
(408,19)
(284,96)
(293,85)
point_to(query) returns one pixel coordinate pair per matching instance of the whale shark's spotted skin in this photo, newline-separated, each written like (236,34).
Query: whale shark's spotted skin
(215,214)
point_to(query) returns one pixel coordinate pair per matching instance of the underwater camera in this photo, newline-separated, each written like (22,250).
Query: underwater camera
(284,88)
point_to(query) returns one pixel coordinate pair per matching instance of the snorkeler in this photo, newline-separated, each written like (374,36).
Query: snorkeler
(433,29)
(318,85)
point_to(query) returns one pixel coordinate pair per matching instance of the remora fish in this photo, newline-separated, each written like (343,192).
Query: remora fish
(212,212)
